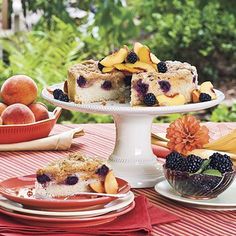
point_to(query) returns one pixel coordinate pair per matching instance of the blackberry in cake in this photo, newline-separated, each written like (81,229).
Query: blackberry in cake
(73,174)
(87,83)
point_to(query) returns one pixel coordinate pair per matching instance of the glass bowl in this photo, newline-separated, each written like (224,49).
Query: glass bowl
(198,186)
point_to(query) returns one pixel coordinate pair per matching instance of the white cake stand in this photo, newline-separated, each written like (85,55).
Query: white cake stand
(132,158)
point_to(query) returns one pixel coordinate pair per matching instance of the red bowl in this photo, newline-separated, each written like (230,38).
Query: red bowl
(27,132)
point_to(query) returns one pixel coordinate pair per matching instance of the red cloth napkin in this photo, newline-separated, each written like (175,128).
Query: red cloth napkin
(139,221)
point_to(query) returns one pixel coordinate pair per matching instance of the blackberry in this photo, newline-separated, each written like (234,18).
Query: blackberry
(103,170)
(164,85)
(64,98)
(204,97)
(127,80)
(221,162)
(42,179)
(72,180)
(204,182)
(193,163)
(161,66)
(141,87)
(107,85)
(57,93)
(81,81)
(132,57)
(100,66)
(175,161)
(149,99)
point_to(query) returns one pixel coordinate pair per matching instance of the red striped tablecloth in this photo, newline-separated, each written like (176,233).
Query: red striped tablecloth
(99,140)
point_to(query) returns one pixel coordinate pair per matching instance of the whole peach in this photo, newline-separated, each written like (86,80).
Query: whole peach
(17,114)
(2,107)
(40,111)
(19,89)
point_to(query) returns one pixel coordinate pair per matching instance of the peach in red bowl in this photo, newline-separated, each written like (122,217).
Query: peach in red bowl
(15,133)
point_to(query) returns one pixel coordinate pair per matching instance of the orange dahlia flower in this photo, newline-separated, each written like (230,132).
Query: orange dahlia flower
(185,134)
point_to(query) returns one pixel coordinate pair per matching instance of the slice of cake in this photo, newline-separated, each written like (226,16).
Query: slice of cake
(171,85)
(73,174)
(87,83)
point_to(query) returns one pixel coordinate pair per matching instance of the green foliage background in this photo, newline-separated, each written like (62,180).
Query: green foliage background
(200,32)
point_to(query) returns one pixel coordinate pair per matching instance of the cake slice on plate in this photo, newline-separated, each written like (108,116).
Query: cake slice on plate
(73,174)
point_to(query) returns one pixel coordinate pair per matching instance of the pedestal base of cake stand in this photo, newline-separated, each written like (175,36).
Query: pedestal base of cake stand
(132,158)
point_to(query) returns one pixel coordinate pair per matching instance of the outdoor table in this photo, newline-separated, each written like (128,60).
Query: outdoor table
(99,140)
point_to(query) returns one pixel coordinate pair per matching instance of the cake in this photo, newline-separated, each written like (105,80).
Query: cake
(74,174)
(86,83)
(136,76)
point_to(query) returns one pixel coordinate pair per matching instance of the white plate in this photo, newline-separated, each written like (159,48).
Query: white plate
(226,200)
(114,107)
(111,206)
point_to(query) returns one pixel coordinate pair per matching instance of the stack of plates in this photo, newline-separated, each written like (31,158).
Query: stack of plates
(80,211)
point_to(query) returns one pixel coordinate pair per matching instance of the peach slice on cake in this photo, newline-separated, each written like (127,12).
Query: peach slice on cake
(116,57)
(137,46)
(111,185)
(207,87)
(141,65)
(107,69)
(124,67)
(177,99)
(195,95)
(98,187)
(144,54)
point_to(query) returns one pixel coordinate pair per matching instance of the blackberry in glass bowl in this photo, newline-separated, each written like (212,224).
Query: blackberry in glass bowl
(197,178)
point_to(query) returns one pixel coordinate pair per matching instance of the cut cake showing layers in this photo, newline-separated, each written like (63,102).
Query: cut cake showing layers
(86,83)
(177,83)
(71,175)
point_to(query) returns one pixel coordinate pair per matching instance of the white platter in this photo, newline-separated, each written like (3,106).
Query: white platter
(226,201)
(111,206)
(132,158)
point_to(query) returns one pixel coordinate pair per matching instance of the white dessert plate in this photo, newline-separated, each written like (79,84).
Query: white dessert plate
(114,107)
(225,201)
(109,207)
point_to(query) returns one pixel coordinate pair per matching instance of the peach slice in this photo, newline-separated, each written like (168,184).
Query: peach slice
(107,69)
(141,65)
(207,87)
(195,95)
(137,46)
(154,59)
(177,99)
(125,68)
(98,187)
(116,57)
(144,54)
(111,185)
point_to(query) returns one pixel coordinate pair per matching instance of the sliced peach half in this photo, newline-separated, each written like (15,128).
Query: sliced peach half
(107,69)
(111,185)
(144,54)
(115,58)
(141,65)
(154,59)
(125,68)
(207,87)
(177,99)
(98,187)
(195,95)
(137,46)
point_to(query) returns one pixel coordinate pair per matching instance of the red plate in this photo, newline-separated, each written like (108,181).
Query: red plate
(27,132)
(10,188)
(69,221)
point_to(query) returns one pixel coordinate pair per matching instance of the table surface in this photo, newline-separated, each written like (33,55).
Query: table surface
(99,140)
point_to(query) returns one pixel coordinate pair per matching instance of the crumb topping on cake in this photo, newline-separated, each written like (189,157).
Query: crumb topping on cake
(90,71)
(74,163)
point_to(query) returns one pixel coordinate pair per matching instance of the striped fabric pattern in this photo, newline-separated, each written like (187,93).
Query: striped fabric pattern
(99,141)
